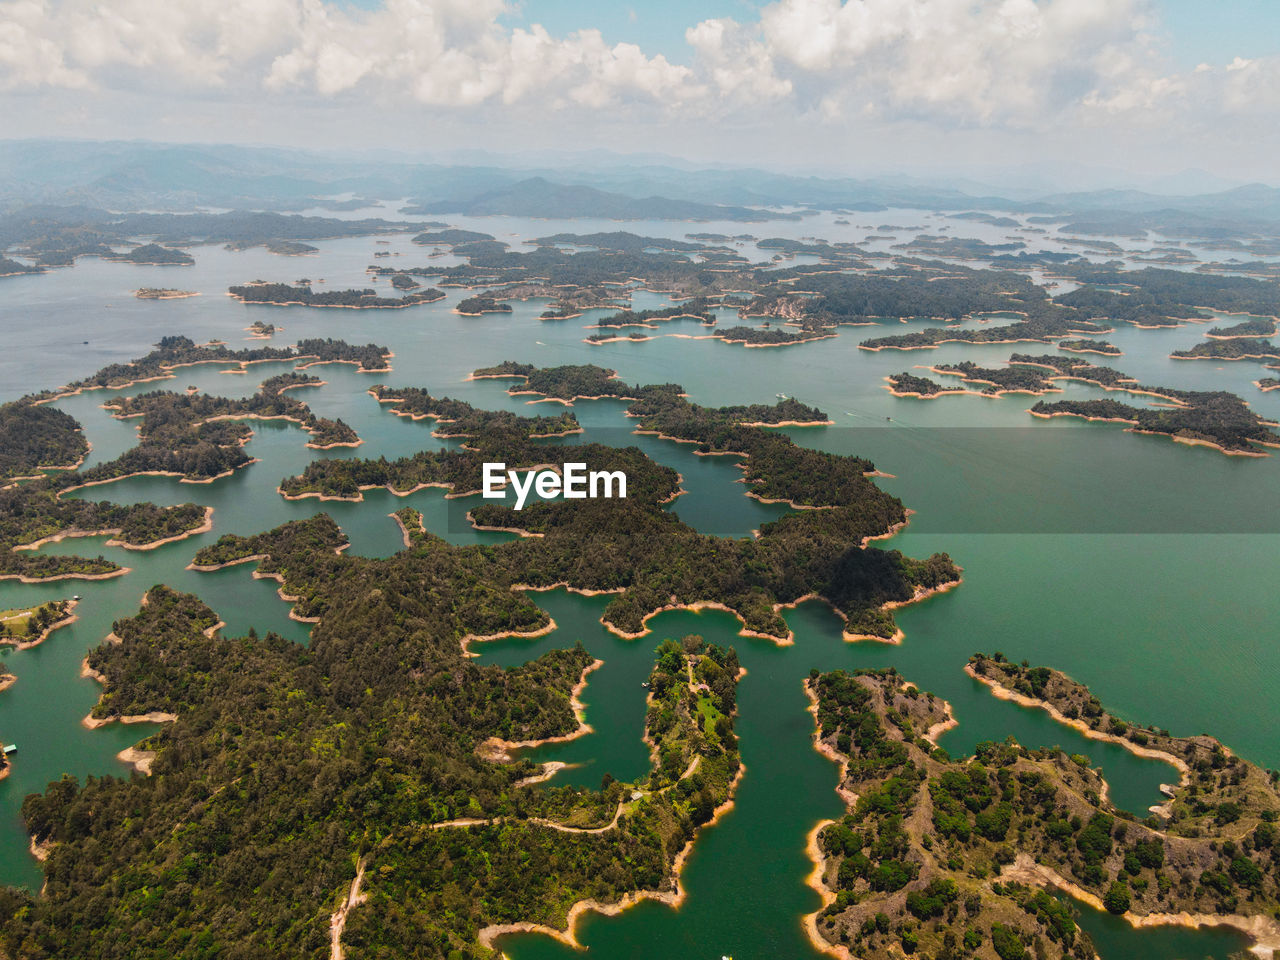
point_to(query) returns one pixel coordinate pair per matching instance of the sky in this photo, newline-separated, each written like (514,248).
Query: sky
(1115,92)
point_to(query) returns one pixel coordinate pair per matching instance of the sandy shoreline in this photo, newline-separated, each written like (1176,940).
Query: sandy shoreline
(153,716)
(66,621)
(498,750)
(1002,692)
(471,638)
(1262,930)
(921,593)
(1133,428)
(673,898)
(812,847)
(695,607)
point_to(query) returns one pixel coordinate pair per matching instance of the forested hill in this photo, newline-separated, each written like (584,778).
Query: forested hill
(32,437)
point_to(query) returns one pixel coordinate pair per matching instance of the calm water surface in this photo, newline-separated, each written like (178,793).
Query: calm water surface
(1132,563)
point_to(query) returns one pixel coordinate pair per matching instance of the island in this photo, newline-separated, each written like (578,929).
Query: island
(30,626)
(301,295)
(163,293)
(997,381)
(768,337)
(1234,348)
(34,513)
(173,352)
(1164,298)
(155,254)
(290,248)
(480,305)
(1209,418)
(697,309)
(1267,384)
(1090,346)
(1257,327)
(457,418)
(1217,419)
(907,384)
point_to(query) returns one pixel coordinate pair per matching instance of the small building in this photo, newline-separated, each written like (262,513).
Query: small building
(10,748)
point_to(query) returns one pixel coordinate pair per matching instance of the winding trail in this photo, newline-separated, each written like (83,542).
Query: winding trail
(338,922)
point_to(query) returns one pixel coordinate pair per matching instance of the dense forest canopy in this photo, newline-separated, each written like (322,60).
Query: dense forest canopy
(907,866)
(32,437)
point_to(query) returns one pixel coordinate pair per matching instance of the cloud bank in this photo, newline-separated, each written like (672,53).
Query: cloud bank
(1019,65)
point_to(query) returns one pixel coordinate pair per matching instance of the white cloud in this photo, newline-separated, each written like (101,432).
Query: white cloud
(446,53)
(739,65)
(1018,64)
(963,61)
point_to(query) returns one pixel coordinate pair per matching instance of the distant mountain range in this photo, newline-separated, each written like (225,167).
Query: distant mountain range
(135,176)
(539,197)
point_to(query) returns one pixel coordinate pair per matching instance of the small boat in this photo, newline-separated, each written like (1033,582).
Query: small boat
(782,396)
(76,597)
(10,748)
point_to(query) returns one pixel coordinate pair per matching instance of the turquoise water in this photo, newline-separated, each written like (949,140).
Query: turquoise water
(1132,563)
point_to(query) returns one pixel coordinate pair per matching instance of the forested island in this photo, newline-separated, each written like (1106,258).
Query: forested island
(449,237)
(953,858)
(1236,348)
(178,351)
(457,418)
(998,380)
(154,253)
(301,295)
(1254,327)
(200,437)
(30,626)
(1162,298)
(1214,418)
(958,248)
(163,293)
(1090,346)
(848,286)
(768,336)
(1023,375)
(290,248)
(1266,384)
(697,309)
(477,306)
(909,385)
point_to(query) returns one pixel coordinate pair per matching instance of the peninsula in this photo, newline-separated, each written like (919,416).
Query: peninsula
(936,854)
